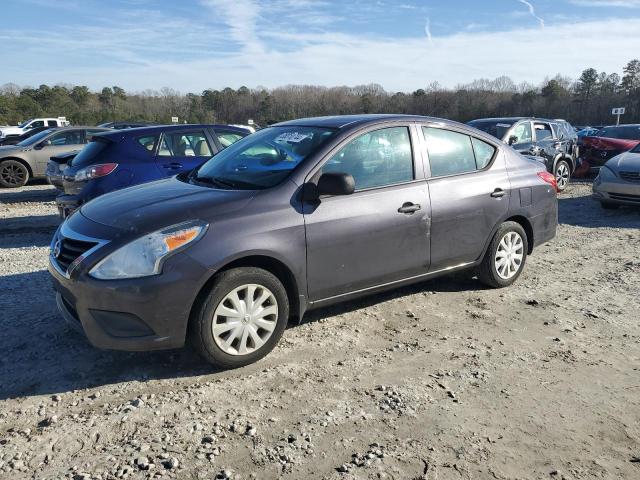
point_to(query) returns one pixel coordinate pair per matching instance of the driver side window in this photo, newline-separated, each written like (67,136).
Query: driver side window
(376,159)
(523,132)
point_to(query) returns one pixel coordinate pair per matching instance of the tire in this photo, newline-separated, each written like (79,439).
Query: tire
(488,272)
(609,205)
(221,349)
(13,174)
(562,172)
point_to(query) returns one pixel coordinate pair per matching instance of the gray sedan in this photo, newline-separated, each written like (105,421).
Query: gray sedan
(296,216)
(28,159)
(618,182)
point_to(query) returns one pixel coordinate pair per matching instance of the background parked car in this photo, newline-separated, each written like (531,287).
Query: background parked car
(552,141)
(122,158)
(296,216)
(15,139)
(618,181)
(122,125)
(609,142)
(28,159)
(32,123)
(56,166)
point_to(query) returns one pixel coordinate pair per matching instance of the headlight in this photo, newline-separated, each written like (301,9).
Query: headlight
(145,255)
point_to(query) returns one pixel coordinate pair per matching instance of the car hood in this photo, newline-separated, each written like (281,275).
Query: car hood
(155,205)
(6,149)
(606,143)
(627,161)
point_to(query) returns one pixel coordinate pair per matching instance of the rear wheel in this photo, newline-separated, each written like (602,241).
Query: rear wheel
(242,318)
(13,174)
(505,258)
(563,174)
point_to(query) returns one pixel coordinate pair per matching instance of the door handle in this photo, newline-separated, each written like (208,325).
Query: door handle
(172,165)
(409,208)
(497,193)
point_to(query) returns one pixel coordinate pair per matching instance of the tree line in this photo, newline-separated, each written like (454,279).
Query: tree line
(584,101)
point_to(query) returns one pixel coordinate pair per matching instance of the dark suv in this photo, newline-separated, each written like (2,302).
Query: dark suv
(554,142)
(299,215)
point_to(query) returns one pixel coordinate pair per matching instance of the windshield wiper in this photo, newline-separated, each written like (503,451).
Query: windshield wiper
(214,181)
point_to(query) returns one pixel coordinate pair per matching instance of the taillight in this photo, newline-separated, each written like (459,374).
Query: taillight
(95,171)
(550,179)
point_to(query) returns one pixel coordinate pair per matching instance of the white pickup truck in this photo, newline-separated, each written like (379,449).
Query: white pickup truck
(33,123)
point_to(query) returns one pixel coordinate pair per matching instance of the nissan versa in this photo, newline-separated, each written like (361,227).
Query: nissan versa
(299,215)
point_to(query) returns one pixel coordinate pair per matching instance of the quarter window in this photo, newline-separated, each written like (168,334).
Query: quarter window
(375,159)
(148,142)
(193,144)
(483,152)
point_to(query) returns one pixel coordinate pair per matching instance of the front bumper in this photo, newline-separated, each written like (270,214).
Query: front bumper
(149,313)
(619,191)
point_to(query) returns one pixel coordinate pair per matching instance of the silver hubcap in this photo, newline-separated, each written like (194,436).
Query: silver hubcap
(509,255)
(245,319)
(562,175)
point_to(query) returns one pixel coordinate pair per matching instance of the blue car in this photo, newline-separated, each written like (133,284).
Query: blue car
(123,158)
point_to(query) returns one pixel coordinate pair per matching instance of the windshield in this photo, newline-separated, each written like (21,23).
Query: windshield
(629,132)
(263,159)
(24,124)
(35,138)
(496,128)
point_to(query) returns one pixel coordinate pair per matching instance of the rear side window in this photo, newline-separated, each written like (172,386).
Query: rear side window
(191,144)
(148,142)
(543,131)
(90,153)
(52,123)
(452,153)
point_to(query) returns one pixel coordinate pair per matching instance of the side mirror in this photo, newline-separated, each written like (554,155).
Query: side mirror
(513,139)
(336,183)
(39,146)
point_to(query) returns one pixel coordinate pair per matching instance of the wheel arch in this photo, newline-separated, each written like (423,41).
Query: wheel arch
(22,161)
(566,158)
(527,227)
(271,265)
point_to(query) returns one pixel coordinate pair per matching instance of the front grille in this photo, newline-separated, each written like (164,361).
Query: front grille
(625,197)
(71,249)
(630,176)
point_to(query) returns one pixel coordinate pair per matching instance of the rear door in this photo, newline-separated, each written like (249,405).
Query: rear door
(228,137)
(469,190)
(547,142)
(183,150)
(378,234)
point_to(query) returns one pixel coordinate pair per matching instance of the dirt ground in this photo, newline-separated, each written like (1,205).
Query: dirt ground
(445,379)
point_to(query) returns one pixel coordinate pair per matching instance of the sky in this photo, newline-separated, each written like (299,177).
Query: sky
(403,45)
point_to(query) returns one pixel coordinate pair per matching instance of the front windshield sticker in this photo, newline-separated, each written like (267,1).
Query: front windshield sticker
(505,125)
(292,137)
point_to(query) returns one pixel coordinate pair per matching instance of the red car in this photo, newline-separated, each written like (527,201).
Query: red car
(609,142)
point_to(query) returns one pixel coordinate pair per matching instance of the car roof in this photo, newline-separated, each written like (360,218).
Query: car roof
(166,128)
(517,119)
(342,121)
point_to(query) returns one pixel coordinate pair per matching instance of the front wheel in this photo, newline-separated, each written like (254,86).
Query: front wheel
(505,258)
(13,174)
(562,174)
(241,319)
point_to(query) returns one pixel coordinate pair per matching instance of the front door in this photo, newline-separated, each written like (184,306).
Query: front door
(378,234)
(183,151)
(55,144)
(469,190)
(525,143)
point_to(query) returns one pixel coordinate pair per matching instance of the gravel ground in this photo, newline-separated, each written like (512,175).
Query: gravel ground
(442,380)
